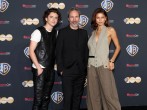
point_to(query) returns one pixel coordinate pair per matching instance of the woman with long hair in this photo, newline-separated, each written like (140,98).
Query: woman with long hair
(101,88)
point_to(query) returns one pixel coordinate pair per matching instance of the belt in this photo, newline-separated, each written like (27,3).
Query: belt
(91,56)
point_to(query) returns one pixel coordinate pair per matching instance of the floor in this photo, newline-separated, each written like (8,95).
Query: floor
(132,108)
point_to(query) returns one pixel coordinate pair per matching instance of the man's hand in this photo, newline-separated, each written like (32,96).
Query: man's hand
(61,73)
(40,70)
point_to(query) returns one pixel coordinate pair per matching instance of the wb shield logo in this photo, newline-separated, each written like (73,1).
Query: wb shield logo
(3,5)
(107,5)
(4,68)
(57,97)
(26,51)
(83,21)
(132,49)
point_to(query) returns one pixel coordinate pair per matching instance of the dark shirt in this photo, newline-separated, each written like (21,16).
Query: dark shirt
(72,50)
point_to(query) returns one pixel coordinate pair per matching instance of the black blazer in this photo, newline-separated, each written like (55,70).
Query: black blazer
(72,49)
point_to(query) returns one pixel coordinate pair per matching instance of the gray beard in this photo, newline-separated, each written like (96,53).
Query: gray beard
(75,25)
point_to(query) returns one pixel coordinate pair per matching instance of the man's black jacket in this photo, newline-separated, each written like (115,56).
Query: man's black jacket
(72,48)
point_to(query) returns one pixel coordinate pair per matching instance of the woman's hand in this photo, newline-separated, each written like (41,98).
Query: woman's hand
(111,65)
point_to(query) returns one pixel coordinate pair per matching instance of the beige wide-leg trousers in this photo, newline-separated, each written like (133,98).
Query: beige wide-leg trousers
(101,89)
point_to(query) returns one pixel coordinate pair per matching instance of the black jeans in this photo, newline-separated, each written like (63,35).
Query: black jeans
(42,88)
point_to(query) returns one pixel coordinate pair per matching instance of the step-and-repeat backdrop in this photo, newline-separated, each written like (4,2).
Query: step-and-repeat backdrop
(18,19)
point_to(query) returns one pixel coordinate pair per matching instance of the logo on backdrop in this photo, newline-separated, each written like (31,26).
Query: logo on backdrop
(58,83)
(83,21)
(132,94)
(28,83)
(4,68)
(132,35)
(3,5)
(56,5)
(29,21)
(107,5)
(26,51)
(4,100)
(111,51)
(7,37)
(4,22)
(27,68)
(28,99)
(132,65)
(131,6)
(26,37)
(5,84)
(132,79)
(132,20)
(5,53)
(57,97)
(28,6)
(81,6)
(111,21)
(132,49)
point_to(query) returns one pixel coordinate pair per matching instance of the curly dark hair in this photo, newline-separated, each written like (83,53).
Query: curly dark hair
(48,11)
(93,19)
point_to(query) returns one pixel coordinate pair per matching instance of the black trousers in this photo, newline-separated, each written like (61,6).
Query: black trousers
(42,88)
(73,87)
